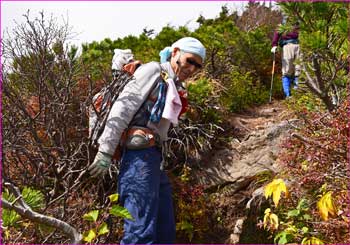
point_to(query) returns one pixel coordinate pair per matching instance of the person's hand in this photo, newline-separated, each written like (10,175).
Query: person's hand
(101,164)
(274,49)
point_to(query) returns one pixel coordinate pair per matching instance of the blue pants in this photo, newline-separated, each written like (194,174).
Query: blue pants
(286,82)
(146,192)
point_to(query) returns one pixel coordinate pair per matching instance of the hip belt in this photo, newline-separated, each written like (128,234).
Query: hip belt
(138,138)
(285,42)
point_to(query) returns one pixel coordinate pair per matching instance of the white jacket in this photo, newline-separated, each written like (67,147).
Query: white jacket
(128,103)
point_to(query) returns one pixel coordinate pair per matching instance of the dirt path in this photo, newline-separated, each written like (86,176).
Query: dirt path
(229,173)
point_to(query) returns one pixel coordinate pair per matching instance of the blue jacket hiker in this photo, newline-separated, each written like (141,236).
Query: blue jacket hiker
(142,114)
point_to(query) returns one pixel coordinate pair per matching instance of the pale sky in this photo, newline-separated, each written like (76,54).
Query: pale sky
(96,20)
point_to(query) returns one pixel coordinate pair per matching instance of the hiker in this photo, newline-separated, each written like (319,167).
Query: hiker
(145,112)
(290,52)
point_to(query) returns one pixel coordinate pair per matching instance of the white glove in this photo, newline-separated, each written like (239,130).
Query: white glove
(274,49)
(101,164)
(120,58)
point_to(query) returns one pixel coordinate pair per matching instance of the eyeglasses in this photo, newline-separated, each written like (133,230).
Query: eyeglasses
(194,63)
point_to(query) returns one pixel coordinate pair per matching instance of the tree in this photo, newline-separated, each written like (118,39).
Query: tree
(324,45)
(44,118)
(47,90)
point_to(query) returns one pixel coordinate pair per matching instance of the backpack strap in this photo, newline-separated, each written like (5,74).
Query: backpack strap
(157,110)
(152,108)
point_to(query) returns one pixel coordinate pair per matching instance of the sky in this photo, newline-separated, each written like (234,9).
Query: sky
(96,20)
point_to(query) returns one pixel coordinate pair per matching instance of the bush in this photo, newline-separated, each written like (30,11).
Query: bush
(244,92)
(316,162)
(203,100)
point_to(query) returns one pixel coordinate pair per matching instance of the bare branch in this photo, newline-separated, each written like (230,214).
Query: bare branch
(24,210)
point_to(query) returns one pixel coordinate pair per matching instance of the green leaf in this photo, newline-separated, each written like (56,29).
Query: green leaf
(91,216)
(9,217)
(281,237)
(306,217)
(284,237)
(303,205)
(293,213)
(186,226)
(305,229)
(34,198)
(103,229)
(120,211)
(114,197)
(89,235)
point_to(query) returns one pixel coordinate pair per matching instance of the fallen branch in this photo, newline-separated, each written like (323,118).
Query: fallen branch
(25,211)
(306,140)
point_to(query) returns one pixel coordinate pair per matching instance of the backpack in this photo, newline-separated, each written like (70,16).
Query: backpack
(103,101)
(102,104)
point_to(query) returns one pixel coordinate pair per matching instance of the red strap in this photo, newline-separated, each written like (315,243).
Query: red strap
(184,101)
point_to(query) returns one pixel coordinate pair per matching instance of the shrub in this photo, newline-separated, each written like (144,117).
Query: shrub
(243,92)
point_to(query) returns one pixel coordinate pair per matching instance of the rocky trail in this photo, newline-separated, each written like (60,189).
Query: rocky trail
(230,173)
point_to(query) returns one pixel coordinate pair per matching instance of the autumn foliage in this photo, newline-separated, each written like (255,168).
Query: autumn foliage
(315,163)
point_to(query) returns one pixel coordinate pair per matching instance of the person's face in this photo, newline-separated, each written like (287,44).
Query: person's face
(185,64)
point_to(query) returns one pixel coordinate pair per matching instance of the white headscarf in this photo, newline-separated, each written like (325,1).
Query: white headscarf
(121,57)
(186,44)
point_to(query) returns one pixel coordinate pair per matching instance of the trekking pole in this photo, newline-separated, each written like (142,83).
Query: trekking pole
(273,72)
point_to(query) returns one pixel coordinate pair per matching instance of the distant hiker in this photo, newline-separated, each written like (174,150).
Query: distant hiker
(289,43)
(143,113)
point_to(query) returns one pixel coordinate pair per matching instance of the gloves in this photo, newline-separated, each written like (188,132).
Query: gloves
(274,49)
(100,165)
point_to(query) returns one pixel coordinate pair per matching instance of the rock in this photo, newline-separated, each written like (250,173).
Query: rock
(268,112)
(237,230)
(234,239)
(230,172)
(238,226)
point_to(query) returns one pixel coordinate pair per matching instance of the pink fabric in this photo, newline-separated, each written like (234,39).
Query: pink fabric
(173,105)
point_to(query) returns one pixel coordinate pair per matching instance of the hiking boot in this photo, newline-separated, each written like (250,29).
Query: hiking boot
(295,82)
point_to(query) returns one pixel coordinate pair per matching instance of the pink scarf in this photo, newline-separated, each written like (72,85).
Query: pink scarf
(173,105)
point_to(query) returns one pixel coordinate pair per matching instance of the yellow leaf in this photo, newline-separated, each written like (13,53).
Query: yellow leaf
(268,190)
(103,229)
(89,235)
(274,221)
(311,240)
(270,218)
(275,188)
(266,216)
(113,197)
(326,206)
(7,234)
(91,216)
